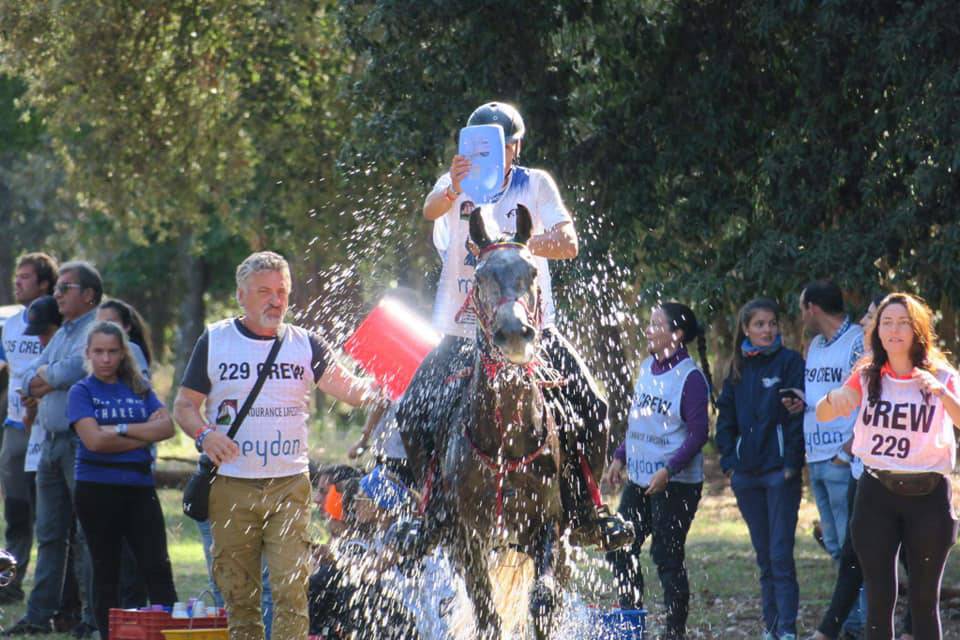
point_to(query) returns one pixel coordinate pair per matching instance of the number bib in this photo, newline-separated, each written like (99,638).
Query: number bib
(904,430)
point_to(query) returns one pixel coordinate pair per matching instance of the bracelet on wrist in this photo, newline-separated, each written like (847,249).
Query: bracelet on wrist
(201,436)
(450,194)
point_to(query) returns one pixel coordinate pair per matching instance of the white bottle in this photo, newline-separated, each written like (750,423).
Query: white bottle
(179,610)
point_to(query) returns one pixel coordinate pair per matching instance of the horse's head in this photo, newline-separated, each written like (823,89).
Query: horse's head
(506,295)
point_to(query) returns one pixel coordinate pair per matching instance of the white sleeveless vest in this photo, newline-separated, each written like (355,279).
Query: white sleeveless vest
(655,429)
(826,369)
(903,431)
(273,437)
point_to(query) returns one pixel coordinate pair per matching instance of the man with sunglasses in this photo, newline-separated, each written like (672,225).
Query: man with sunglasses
(78,291)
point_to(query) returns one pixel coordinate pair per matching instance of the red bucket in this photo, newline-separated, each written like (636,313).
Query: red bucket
(391,343)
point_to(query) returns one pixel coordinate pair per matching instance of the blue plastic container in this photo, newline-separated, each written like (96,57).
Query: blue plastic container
(484,145)
(623,624)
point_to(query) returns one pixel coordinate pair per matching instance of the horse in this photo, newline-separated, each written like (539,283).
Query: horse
(502,457)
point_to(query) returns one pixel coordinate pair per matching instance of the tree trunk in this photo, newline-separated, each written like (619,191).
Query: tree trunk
(195,275)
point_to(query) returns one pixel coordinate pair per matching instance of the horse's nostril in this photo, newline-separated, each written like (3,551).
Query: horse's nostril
(499,337)
(528,332)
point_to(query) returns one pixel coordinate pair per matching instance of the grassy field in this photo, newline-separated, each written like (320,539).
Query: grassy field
(723,574)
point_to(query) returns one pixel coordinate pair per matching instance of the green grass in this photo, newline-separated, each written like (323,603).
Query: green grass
(723,575)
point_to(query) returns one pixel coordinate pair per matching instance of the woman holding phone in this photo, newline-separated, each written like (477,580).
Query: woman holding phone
(762,452)
(117,417)
(905,394)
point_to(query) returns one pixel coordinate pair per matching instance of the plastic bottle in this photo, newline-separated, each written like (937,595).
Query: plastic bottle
(179,610)
(484,145)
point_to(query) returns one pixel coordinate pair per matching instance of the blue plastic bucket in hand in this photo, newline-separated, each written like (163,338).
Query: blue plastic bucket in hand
(623,624)
(483,144)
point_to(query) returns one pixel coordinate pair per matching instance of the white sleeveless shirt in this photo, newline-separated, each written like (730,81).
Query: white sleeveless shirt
(273,437)
(655,430)
(904,431)
(826,368)
(534,189)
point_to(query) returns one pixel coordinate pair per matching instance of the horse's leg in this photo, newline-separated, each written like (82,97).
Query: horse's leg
(476,578)
(543,595)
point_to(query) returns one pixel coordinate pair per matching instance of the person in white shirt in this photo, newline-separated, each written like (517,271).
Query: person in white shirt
(35,276)
(435,387)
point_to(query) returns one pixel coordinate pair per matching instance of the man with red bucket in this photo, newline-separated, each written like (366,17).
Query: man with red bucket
(431,398)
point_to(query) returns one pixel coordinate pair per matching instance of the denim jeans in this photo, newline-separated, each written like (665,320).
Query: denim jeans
(769,503)
(55,487)
(266,596)
(830,482)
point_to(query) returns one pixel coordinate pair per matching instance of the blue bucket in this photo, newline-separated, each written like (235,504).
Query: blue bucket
(623,624)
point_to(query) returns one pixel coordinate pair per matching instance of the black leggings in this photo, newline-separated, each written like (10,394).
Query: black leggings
(924,525)
(666,517)
(111,514)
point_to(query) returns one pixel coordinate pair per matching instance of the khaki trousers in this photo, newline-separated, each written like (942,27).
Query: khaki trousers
(268,517)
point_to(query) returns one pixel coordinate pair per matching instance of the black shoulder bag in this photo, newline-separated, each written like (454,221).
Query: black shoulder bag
(196,495)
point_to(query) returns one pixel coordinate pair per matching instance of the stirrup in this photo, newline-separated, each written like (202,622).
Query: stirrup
(606,530)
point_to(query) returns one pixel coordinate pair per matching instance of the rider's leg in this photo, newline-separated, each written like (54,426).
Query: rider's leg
(581,413)
(426,404)
(423,416)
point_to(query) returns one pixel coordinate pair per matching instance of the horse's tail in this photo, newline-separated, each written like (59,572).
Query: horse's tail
(511,575)
(511,578)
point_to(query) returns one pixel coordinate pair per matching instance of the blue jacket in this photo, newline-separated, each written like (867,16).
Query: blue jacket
(755,433)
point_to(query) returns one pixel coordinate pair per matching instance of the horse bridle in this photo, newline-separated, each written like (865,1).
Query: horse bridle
(484,320)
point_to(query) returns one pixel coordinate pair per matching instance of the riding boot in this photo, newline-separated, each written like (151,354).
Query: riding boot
(591,522)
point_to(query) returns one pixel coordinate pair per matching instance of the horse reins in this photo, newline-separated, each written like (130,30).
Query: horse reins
(493,365)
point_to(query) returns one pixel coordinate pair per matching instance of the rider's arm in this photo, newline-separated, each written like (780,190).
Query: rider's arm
(437,204)
(447,189)
(559,243)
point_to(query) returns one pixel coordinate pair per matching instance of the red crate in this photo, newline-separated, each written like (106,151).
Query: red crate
(147,625)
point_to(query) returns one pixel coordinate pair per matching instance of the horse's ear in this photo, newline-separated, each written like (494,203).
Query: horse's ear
(478,230)
(524,225)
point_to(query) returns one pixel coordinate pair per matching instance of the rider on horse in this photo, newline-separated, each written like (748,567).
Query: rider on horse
(429,403)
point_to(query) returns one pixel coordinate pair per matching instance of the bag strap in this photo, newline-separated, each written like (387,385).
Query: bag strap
(261,378)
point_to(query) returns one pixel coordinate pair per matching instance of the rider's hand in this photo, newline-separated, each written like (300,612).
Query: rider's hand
(658,482)
(220,448)
(356,450)
(615,475)
(459,168)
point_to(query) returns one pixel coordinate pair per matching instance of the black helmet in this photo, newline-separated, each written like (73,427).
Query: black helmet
(503,114)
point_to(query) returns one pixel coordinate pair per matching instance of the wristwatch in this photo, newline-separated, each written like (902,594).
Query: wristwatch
(450,194)
(121,429)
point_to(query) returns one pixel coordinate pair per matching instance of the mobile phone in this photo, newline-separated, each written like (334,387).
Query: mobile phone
(790,393)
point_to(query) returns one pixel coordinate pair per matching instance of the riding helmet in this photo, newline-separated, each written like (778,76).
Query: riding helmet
(503,114)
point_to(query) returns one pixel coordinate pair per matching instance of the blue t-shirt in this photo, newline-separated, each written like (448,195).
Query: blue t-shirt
(111,404)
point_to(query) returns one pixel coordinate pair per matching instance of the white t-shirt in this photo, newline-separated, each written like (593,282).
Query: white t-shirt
(20,351)
(905,431)
(533,188)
